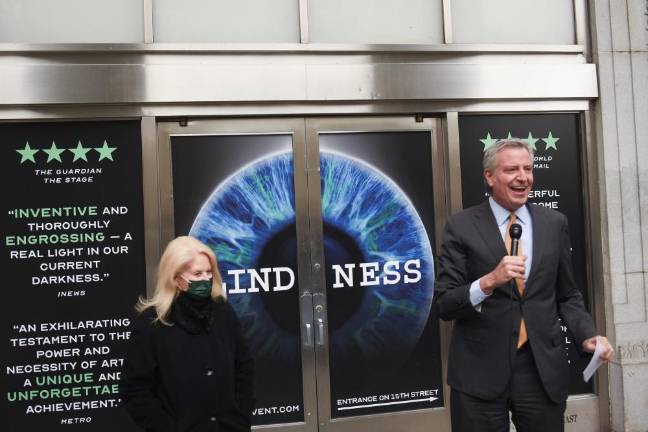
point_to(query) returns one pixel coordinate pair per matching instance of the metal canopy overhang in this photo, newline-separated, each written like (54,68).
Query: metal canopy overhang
(132,75)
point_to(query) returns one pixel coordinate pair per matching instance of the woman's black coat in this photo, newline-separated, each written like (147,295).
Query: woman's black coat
(175,380)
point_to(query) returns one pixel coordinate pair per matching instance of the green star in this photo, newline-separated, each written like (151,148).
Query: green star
(105,152)
(54,153)
(551,142)
(532,141)
(488,141)
(80,152)
(27,154)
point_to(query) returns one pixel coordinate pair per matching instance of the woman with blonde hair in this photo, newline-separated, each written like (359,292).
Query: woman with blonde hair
(188,368)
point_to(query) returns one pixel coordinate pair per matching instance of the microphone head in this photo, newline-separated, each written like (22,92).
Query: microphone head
(515,231)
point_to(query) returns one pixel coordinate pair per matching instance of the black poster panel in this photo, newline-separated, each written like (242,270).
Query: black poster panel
(557,185)
(378,217)
(73,264)
(236,194)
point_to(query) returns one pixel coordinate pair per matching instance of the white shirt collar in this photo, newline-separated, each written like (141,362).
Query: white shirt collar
(501,214)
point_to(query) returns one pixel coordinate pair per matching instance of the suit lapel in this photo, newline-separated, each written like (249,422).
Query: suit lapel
(539,237)
(487,228)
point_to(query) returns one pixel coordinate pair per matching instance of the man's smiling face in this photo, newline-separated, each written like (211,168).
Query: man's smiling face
(512,179)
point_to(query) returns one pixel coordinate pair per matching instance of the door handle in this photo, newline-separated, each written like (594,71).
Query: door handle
(320,332)
(309,335)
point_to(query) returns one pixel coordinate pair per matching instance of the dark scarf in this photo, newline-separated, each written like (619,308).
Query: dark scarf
(192,313)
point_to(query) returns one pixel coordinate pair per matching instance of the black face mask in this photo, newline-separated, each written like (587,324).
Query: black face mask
(201,288)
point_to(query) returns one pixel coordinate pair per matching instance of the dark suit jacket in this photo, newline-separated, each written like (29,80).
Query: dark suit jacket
(484,343)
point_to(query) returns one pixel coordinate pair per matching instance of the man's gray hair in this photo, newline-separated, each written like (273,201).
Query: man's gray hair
(490,154)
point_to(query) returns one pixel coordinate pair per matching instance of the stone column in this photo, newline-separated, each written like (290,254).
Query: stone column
(619,30)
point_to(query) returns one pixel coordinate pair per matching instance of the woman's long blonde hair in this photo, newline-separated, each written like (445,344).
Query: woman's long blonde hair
(177,255)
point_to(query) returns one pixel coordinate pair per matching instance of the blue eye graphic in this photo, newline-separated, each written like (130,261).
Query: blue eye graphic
(361,203)
(249,222)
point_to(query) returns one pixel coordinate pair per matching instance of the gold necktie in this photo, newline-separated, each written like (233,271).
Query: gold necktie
(519,282)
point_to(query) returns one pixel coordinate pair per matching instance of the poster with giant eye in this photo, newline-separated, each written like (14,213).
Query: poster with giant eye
(236,194)
(73,266)
(557,185)
(378,218)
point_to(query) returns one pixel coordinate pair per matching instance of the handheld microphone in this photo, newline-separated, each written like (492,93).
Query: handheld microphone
(515,232)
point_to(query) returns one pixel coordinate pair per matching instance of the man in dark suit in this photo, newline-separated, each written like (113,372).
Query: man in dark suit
(507,352)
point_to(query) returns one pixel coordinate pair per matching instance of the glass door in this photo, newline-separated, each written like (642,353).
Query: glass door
(240,187)
(325,233)
(374,187)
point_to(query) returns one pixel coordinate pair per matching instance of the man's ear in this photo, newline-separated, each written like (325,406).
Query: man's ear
(488,178)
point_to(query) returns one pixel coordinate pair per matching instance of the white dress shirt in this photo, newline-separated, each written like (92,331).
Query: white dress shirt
(523,217)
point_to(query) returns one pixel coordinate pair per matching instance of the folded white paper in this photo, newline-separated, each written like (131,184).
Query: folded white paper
(595,363)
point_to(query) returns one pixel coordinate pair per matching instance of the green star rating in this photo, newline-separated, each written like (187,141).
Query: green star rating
(27,154)
(550,141)
(532,141)
(80,152)
(105,152)
(54,153)
(488,141)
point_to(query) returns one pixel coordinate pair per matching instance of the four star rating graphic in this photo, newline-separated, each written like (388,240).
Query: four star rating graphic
(27,154)
(550,141)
